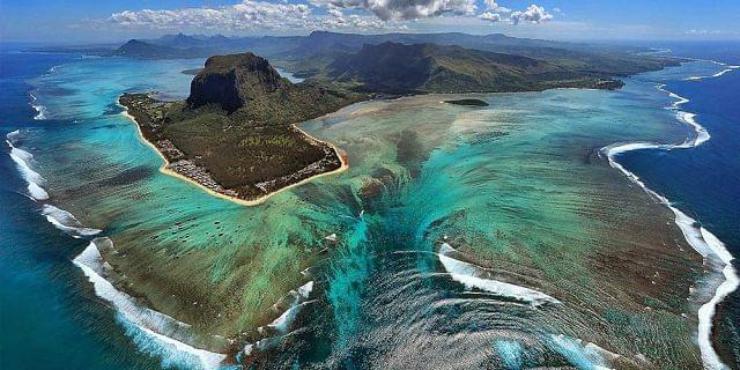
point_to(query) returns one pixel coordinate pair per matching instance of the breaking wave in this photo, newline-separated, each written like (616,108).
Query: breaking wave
(283,322)
(23,161)
(470,276)
(700,239)
(40,108)
(727,69)
(66,222)
(152,331)
(588,356)
(274,332)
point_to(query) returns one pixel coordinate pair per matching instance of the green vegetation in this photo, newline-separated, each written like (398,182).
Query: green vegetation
(234,133)
(400,68)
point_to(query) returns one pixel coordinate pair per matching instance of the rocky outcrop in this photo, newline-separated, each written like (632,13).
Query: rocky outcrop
(231,81)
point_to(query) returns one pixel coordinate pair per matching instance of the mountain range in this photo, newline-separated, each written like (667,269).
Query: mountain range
(400,63)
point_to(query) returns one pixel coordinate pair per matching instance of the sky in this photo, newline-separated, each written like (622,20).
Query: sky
(90,21)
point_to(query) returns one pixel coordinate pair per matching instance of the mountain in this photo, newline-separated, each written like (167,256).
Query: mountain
(320,55)
(145,50)
(182,41)
(231,81)
(247,86)
(398,68)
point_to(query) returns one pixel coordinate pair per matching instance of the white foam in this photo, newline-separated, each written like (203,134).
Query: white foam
(40,108)
(469,275)
(157,327)
(700,239)
(721,73)
(23,161)
(305,289)
(66,222)
(706,312)
(702,135)
(11,136)
(283,322)
(581,356)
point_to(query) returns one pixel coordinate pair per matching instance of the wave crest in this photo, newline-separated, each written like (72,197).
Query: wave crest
(66,222)
(153,331)
(470,276)
(23,160)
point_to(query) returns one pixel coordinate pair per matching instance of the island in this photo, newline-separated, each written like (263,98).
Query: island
(468,102)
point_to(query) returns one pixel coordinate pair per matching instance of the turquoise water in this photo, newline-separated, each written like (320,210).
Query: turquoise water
(519,189)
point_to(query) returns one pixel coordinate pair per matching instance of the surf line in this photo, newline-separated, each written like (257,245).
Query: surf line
(728,68)
(160,328)
(700,239)
(168,334)
(470,276)
(38,107)
(23,161)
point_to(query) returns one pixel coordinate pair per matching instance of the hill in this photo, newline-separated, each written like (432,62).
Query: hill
(399,68)
(145,50)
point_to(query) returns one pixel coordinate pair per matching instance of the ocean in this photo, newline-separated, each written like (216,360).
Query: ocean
(466,247)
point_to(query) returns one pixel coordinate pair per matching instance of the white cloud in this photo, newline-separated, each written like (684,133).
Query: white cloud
(533,14)
(496,13)
(403,9)
(490,16)
(246,15)
(260,15)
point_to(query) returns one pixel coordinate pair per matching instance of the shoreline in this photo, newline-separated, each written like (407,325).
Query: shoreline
(700,239)
(248,203)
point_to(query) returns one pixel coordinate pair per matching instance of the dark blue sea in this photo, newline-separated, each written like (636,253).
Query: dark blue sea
(49,317)
(705,181)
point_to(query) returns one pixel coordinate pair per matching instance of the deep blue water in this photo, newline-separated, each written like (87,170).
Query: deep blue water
(49,315)
(705,181)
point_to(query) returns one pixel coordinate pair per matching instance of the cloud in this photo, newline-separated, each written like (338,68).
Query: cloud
(403,9)
(490,16)
(496,13)
(260,15)
(247,15)
(533,14)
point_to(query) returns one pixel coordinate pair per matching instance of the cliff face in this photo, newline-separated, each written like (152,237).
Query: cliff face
(231,81)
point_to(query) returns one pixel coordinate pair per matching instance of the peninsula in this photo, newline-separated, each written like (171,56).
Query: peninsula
(235,134)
